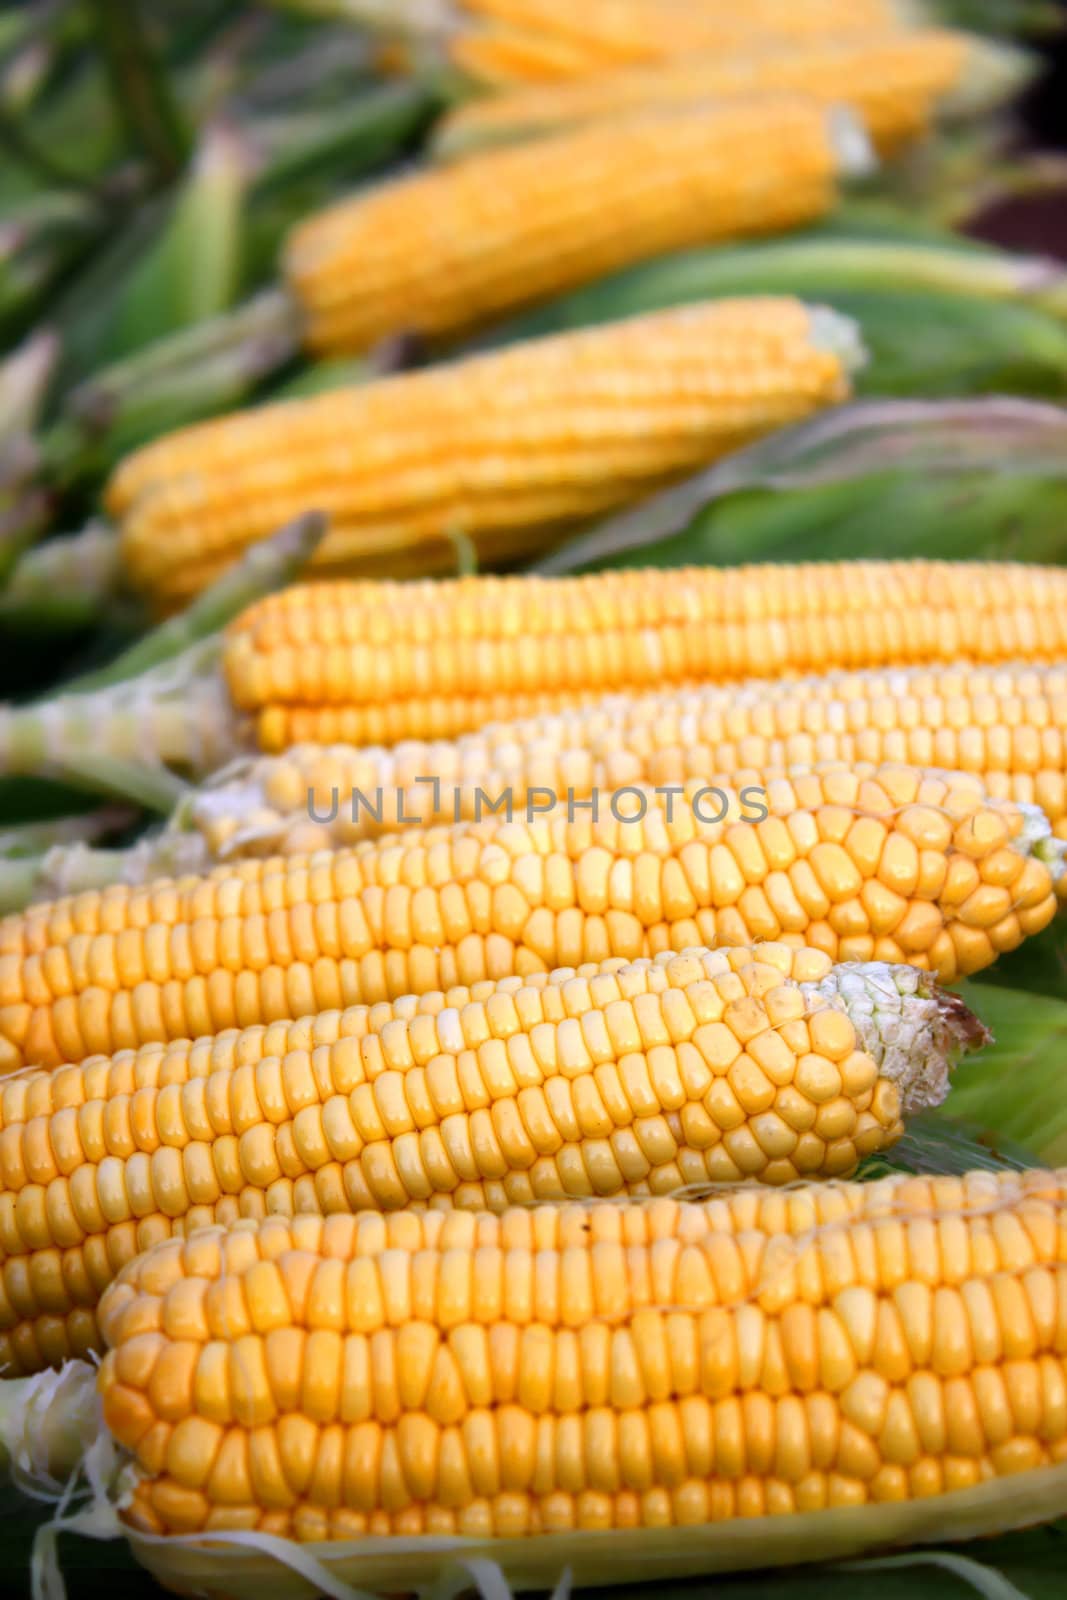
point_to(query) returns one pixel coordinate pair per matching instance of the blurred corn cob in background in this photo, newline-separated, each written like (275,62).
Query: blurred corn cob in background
(501,448)
(441,252)
(897,82)
(215,364)
(504,41)
(980,316)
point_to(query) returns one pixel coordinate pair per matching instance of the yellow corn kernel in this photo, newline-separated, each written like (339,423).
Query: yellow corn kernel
(1007,725)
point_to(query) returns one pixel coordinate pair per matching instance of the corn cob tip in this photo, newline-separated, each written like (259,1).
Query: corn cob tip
(851,142)
(915,1031)
(1038,840)
(839,335)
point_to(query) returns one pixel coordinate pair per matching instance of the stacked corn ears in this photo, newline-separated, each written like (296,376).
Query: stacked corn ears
(480,1085)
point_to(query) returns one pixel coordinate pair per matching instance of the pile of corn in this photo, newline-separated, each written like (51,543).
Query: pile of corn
(447,1090)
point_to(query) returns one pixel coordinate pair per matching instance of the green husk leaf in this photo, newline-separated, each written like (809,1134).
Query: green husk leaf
(948,478)
(1006,17)
(356,136)
(266,565)
(323,376)
(24,378)
(922,340)
(40,239)
(140,86)
(64,582)
(208,367)
(193,270)
(873,256)
(1016,1085)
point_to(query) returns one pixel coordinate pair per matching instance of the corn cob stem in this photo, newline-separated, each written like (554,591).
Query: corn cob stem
(123,738)
(48,1423)
(73,868)
(160,703)
(24,378)
(66,581)
(24,516)
(33,855)
(265,567)
(188,375)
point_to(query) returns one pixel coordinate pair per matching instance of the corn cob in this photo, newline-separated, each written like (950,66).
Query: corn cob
(826,1370)
(605,33)
(498,447)
(502,58)
(353,662)
(886,864)
(378,663)
(894,81)
(767,1063)
(1007,725)
(442,251)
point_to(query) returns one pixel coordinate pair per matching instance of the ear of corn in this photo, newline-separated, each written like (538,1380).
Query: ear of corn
(889,864)
(1007,725)
(615,1078)
(501,448)
(895,81)
(763,1357)
(605,33)
(442,251)
(353,663)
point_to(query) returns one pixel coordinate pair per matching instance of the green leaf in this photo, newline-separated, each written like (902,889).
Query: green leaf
(193,269)
(979,478)
(877,276)
(1016,1085)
